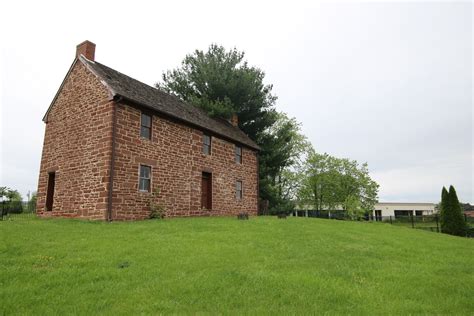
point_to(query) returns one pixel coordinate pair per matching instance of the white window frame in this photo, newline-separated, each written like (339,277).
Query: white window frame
(144,126)
(240,160)
(237,196)
(144,178)
(204,145)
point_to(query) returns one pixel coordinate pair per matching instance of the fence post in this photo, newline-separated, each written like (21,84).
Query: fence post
(437,223)
(391,220)
(412,221)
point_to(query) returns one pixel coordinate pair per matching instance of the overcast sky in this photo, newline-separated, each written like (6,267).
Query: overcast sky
(388,83)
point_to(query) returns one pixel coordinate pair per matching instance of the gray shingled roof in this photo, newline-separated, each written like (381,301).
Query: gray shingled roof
(162,102)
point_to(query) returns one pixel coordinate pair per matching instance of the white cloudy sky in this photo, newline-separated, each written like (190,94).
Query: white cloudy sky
(389,83)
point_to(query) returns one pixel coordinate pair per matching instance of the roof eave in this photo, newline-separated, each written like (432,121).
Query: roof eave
(85,62)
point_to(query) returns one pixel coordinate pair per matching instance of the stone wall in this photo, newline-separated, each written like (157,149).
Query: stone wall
(77,147)
(175,156)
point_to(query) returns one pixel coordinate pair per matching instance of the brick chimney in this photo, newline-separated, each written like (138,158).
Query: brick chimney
(234,120)
(87,49)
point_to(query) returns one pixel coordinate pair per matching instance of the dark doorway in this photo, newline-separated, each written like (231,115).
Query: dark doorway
(206,191)
(378,215)
(50,192)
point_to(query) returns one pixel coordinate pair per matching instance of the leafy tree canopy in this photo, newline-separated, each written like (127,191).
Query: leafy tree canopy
(283,148)
(331,183)
(222,83)
(10,194)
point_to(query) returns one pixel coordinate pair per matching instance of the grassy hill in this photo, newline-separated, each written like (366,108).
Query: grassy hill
(222,265)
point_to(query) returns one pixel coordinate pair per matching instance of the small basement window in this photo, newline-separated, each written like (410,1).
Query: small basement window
(206,144)
(238,154)
(145,178)
(238,190)
(145,129)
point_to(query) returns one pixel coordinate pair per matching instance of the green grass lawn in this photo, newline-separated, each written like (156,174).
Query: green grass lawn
(222,265)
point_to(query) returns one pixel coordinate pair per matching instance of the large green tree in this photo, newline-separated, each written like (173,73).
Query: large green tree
(331,183)
(222,83)
(451,215)
(283,147)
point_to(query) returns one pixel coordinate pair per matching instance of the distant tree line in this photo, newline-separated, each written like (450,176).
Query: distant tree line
(222,83)
(13,202)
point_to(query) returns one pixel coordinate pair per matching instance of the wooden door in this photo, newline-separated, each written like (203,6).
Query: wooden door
(206,191)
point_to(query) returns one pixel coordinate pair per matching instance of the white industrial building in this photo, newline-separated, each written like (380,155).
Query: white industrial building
(403,209)
(383,210)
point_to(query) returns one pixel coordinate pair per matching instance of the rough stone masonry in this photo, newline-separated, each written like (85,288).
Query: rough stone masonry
(93,151)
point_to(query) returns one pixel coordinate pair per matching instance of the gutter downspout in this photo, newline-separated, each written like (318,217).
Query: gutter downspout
(112,160)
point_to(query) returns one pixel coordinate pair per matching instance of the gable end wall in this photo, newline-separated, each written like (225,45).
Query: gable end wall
(77,146)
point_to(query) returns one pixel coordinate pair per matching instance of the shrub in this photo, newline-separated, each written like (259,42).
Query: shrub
(157,210)
(451,216)
(13,207)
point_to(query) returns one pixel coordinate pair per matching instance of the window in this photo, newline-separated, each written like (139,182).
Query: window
(145,129)
(206,144)
(401,214)
(238,154)
(238,190)
(145,178)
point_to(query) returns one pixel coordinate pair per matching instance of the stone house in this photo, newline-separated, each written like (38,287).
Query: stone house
(111,141)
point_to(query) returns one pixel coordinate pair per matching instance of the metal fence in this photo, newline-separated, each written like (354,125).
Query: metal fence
(425,222)
(17,210)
